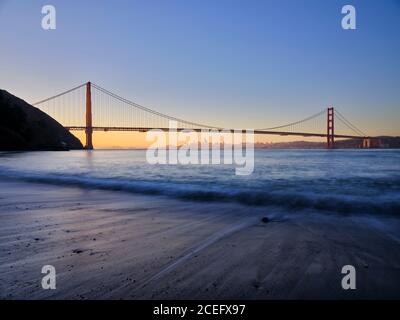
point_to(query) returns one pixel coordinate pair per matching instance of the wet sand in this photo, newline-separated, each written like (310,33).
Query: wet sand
(114,245)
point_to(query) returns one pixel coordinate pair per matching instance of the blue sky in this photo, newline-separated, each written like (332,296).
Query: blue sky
(227,62)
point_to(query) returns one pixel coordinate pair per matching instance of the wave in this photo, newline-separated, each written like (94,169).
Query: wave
(286,199)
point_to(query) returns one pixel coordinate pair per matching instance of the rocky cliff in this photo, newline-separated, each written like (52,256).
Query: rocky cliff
(24,127)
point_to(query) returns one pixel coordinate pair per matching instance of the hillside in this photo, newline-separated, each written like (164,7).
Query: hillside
(379,143)
(24,127)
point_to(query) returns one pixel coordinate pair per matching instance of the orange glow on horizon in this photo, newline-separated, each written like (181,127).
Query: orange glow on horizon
(137,140)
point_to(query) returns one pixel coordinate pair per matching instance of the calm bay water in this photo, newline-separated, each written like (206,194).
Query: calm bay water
(338,181)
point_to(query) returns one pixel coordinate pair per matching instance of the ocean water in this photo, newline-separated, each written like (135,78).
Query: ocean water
(324,181)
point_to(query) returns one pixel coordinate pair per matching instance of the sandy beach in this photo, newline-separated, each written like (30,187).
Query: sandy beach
(115,245)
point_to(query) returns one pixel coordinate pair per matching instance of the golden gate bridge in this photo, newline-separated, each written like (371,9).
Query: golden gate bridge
(90,107)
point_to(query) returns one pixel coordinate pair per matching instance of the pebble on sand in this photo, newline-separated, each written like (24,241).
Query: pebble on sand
(265,219)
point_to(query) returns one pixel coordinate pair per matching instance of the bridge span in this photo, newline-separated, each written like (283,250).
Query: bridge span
(90,108)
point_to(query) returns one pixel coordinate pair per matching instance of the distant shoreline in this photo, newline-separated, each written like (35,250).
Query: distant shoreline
(277,148)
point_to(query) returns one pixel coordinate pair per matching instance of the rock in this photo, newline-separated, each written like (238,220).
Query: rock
(265,219)
(24,127)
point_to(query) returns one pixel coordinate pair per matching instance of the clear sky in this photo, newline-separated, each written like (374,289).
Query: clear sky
(231,63)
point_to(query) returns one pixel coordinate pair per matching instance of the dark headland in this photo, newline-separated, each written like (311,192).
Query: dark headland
(24,127)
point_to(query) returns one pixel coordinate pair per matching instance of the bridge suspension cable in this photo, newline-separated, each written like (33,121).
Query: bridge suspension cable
(135,105)
(296,122)
(113,112)
(59,95)
(348,124)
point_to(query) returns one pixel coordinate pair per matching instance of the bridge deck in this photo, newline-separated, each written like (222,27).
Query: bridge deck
(280,133)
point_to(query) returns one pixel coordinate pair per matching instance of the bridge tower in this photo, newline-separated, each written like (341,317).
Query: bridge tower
(330,128)
(88,130)
(366,143)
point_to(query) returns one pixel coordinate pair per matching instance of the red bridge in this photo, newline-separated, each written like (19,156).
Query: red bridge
(91,108)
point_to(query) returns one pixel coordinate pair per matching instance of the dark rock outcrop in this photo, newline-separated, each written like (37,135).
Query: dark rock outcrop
(24,127)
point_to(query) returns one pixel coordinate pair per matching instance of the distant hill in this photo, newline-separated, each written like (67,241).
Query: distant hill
(380,143)
(24,127)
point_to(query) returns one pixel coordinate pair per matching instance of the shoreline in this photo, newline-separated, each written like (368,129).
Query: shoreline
(113,245)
